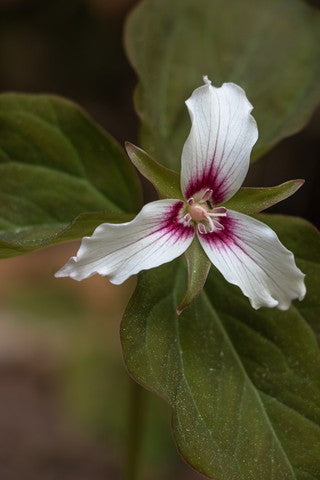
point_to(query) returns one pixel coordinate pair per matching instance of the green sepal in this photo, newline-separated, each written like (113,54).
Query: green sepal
(165,181)
(252,200)
(198,265)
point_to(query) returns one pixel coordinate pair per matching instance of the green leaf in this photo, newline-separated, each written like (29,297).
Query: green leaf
(165,181)
(198,265)
(57,164)
(172,44)
(243,384)
(251,200)
(27,239)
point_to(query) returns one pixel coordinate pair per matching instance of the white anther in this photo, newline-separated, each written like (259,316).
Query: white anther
(220,211)
(187,218)
(201,228)
(211,224)
(207,194)
(217,225)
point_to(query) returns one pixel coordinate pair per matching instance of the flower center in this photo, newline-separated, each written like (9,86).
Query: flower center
(200,211)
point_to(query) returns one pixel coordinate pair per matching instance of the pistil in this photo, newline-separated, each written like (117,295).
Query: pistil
(204,216)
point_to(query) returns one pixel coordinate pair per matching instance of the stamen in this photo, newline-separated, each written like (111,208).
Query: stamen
(201,228)
(217,225)
(220,211)
(187,218)
(212,214)
(202,215)
(207,194)
(211,224)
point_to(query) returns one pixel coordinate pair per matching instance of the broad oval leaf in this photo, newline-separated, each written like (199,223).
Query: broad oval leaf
(56,164)
(243,385)
(172,44)
(26,239)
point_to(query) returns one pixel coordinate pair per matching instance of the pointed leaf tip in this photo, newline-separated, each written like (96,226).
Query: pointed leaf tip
(252,200)
(165,181)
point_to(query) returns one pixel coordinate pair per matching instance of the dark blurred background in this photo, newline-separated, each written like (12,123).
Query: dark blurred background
(63,386)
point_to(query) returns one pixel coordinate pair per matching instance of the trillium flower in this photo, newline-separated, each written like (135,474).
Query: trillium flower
(215,161)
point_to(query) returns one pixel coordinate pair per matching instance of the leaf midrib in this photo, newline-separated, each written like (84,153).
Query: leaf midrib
(167,398)
(306,419)
(190,390)
(238,360)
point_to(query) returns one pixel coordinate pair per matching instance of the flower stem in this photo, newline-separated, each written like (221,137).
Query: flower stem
(135,431)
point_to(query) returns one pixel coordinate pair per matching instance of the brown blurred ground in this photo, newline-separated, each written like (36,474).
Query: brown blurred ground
(63,387)
(41,435)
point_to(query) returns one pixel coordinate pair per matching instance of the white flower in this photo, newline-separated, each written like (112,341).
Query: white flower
(215,161)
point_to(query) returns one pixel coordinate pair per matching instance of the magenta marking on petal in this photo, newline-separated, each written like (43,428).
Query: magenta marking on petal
(180,234)
(208,180)
(225,236)
(229,239)
(173,224)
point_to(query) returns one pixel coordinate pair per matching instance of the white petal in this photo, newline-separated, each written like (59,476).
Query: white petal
(157,235)
(249,254)
(216,154)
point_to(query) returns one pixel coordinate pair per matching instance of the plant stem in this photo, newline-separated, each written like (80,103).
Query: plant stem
(135,431)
